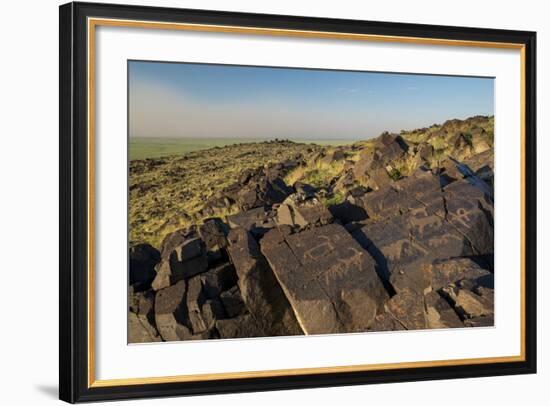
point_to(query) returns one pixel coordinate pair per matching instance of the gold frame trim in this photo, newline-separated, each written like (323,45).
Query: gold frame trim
(94,22)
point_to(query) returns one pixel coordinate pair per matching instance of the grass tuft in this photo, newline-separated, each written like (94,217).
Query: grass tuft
(336,198)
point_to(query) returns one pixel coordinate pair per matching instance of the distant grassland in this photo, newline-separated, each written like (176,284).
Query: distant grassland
(141,148)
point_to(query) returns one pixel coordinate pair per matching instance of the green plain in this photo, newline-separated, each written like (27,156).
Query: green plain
(142,148)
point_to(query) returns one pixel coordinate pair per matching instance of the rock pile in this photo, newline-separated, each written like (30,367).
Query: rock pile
(255,188)
(398,253)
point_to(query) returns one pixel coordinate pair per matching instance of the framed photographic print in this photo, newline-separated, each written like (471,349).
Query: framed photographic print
(257,202)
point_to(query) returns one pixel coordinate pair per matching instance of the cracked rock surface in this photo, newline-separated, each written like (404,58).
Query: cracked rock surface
(390,234)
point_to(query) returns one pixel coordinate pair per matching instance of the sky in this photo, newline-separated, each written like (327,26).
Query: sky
(182,100)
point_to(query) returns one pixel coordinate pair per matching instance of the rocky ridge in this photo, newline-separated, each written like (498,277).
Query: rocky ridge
(395,233)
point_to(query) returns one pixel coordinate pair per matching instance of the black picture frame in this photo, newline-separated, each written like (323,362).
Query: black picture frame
(74,385)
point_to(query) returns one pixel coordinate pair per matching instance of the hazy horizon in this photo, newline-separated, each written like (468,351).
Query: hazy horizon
(189,101)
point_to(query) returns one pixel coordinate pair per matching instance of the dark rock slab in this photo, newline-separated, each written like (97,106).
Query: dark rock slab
(259,287)
(470,211)
(184,261)
(285,215)
(213,232)
(378,176)
(243,326)
(232,302)
(415,191)
(386,322)
(139,332)
(445,272)
(478,161)
(302,211)
(211,311)
(172,240)
(483,321)
(313,214)
(462,147)
(141,318)
(195,299)
(363,164)
(142,258)
(335,155)
(260,186)
(206,335)
(171,312)
(216,280)
(247,198)
(407,307)
(468,304)
(329,280)
(391,146)
(435,235)
(439,314)
(385,203)
(420,183)
(376,167)
(257,221)
(425,151)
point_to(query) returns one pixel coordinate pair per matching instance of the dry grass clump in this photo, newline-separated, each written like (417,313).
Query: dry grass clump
(318,173)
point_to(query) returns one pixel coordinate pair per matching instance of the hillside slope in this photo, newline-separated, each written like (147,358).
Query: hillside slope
(280,238)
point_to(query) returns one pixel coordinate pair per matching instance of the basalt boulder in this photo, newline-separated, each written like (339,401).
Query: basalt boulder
(337,154)
(143,258)
(263,186)
(442,273)
(171,312)
(139,332)
(386,322)
(141,318)
(439,313)
(243,326)
(232,302)
(218,279)
(303,211)
(407,307)
(187,259)
(257,221)
(259,287)
(389,147)
(328,278)
(213,232)
(471,303)
(425,152)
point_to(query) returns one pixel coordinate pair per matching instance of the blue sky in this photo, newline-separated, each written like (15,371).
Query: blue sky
(198,100)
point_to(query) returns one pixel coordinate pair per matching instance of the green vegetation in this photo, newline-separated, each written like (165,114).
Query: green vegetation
(317,173)
(336,198)
(403,168)
(439,154)
(395,174)
(142,148)
(439,143)
(468,137)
